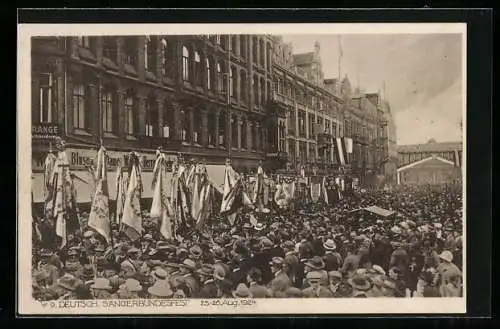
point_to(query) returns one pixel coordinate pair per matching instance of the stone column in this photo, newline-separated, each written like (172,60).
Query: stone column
(258,143)
(307,125)
(237,50)
(160,108)
(204,127)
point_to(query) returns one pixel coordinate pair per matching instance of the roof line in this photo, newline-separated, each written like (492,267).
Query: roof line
(424,160)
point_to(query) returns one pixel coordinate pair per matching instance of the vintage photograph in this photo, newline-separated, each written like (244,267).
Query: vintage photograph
(219,168)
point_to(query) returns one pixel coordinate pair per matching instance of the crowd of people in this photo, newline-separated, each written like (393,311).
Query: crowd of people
(307,251)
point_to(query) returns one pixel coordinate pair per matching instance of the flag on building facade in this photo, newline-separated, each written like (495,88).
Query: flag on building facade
(180,200)
(132,218)
(99,218)
(48,169)
(331,190)
(315,186)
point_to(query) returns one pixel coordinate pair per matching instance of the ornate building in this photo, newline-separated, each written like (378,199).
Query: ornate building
(430,163)
(203,96)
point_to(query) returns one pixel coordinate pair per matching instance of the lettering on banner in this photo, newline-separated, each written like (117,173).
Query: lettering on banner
(114,304)
(44,131)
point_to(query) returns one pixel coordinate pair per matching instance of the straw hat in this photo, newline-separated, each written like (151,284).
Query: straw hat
(259,227)
(67,282)
(329,245)
(316,263)
(446,256)
(359,282)
(378,269)
(101,284)
(206,269)
(160,274)
(189,264)
(160,289)
(131,285)
(277,261)
(314,276)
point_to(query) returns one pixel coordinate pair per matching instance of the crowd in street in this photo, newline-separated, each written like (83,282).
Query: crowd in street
(307,251)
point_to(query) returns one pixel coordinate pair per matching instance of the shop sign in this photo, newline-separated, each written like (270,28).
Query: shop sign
(45,130)
(80,159)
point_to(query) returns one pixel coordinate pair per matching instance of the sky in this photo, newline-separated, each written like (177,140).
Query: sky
(422,75)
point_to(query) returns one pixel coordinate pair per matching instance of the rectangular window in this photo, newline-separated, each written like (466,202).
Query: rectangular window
(129,111)
(107,111)
(84,42)
(109,48)
(79,102)
(130,51)
(46,86)
(211,130)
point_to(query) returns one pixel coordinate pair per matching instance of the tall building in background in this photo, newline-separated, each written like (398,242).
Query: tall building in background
(142,92)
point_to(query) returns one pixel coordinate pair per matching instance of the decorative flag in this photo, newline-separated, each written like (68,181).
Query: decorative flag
(132,217)
(99,214)
(331,190)
(121,189)
(260,191)
(160,207)
(202,196)
(180,200)
(339,151)
(233,196)
(64,202)
(315,188)
(48,167)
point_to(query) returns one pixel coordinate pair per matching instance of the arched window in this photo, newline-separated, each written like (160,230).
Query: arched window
(149,54)
(234,131)
(222,129)
(262,91)
(198,70)
(129,113)
(163,56)
(219,77)
(185,63)
(268,57)
(234,44)
(209,73)
(168,121)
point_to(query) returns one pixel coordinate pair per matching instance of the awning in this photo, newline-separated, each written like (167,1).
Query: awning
(379,211)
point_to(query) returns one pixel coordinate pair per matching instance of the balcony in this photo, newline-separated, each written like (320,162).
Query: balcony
(167,144)
(282,99)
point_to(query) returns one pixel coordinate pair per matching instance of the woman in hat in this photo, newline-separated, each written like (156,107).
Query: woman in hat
(446,270)
(101,288)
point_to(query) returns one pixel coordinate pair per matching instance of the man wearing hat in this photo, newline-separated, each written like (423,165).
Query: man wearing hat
(316,264)
(130,289)
(315,289)
(46,266)
(242,291)
(291,260)
(281,281)
(254,280)
(196,254)
(332,258)
(67,285)
(101,288)
(334,280)
(160,289)
(351,261)
(360,285)
(187,269)
(209,288)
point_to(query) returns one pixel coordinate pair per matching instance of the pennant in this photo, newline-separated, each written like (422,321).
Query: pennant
(132,217)
(99,215)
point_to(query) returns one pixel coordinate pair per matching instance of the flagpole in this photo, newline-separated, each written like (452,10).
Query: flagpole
(228,99)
